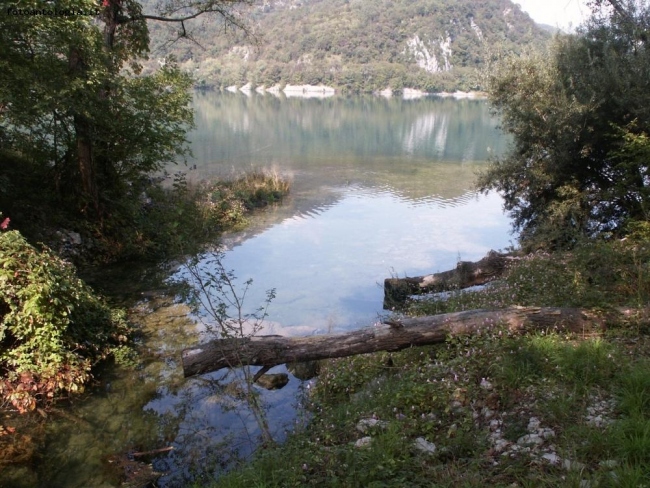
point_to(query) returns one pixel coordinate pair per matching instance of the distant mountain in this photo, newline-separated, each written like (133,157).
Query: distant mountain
(356,45)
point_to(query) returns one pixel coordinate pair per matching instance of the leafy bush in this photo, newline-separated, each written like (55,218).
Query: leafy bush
(53,328)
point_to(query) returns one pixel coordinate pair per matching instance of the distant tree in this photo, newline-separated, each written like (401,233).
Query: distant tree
(580,117)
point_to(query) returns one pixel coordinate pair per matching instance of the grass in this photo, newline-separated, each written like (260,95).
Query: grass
(503,410)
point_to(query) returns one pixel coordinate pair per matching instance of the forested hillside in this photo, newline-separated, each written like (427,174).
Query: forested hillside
(355,45)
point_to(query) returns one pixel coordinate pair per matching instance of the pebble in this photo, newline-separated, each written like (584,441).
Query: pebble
(363,442)
(365,424)
(421,444)
(552,458)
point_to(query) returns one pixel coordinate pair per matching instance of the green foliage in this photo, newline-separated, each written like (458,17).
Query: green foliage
(160,221)
(595,274)
(578,114)
(53,328)
(303,43)
(75,111)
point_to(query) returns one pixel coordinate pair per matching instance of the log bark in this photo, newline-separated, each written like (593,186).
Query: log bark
(466,274)
(392,336)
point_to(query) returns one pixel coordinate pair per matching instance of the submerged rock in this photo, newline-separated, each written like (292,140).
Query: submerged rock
(273,381)
(304,371)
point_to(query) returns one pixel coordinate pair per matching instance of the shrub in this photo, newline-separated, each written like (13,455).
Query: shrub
(53,328)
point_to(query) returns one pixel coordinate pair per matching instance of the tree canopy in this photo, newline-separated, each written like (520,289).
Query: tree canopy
(580,116)
(75,106)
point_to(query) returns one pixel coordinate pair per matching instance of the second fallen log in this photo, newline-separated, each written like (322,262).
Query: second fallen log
(408,332)
(464,275)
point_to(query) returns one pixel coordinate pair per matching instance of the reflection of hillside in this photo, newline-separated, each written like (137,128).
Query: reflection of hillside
(418,150)
(429,127)
(235,130)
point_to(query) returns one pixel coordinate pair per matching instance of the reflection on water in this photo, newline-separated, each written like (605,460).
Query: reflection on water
(380,187)
(326,263)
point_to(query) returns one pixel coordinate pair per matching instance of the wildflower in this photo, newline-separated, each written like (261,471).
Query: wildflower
(5,223)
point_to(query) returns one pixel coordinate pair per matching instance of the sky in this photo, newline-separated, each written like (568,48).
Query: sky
(555,12)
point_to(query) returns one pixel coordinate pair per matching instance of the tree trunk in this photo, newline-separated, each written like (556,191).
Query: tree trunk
(466,274)
(392,336)
(84,148)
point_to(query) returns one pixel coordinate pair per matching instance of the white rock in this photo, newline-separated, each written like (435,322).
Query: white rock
(546,433)
(501,445)
(365,424)
(572,465)
(609,463)
(363,442)
(421,444)
(533,425)
(486,385)
(552,458)
(530,439)
(487,413)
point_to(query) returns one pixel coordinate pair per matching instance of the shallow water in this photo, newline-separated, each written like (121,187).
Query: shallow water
(380,187)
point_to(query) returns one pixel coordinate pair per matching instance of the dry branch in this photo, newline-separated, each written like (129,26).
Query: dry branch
(394,336)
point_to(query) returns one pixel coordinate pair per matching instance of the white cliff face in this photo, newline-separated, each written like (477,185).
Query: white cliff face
(425,56)
(445,49)
(507,13)
(477,30)
(242,52)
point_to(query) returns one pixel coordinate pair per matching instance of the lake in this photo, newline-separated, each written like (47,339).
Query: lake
(380,187)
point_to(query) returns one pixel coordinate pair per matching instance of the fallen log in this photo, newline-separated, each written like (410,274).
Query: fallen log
(270,351)
(466,274)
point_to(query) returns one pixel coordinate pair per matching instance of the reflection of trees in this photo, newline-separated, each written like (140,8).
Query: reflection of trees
(214,427)
(235,130)
(424,148)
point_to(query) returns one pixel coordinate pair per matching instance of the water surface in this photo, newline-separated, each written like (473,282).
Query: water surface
(380,187)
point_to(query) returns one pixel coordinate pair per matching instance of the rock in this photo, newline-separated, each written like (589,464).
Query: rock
(487,413)
(572,465)
(273,381)
(609,463)
(501,445)
(552,458)
(533,425)
(366,424)
(546,433)
(530,440)
(423,445)
(304,371)
(363,442)
(74,237)
(486,385)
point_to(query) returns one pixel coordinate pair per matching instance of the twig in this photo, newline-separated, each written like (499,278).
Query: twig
(155,451)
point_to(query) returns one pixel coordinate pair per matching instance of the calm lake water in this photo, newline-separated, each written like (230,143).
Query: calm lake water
(380,187)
